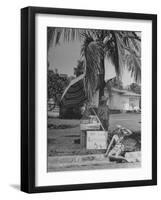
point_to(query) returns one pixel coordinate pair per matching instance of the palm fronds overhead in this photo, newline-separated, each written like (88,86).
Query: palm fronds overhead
(122,47)
(133,64)
(132,58)
(56,34)
(124,50)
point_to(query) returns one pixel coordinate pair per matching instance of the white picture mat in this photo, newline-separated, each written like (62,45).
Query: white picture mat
(91,176)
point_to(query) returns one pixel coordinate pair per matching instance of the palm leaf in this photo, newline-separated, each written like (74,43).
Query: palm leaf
(115,51)
(134,66)
(126,50)
(57,34)
(133,55)
(93,53)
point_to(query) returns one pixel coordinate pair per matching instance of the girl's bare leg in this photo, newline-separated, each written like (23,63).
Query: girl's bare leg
(117,158)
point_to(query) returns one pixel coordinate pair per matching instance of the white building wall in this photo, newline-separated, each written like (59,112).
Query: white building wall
(118,102)
(123,102)
(134,102)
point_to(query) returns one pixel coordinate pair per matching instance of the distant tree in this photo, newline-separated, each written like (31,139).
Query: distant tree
(115,83)
(56,85)
(135,88)
(56,71)
(79,69)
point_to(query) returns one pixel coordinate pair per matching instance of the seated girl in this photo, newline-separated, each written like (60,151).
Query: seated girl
(116,149)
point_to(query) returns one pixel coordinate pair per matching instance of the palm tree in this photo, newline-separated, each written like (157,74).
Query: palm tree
(121,47)
(79,69)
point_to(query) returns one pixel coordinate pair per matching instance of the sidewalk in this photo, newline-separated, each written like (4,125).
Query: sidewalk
(85,162)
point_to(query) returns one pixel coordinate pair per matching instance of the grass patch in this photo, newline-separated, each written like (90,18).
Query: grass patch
(61,126)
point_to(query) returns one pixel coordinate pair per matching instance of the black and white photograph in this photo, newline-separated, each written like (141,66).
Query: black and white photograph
(89,99)
(93,99)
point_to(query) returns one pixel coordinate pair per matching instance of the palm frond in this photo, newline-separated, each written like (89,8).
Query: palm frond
(130,42)
(57,34)
(115,51)
(93,53)
(124,50)
(49,36)
(133,55)
(133,64)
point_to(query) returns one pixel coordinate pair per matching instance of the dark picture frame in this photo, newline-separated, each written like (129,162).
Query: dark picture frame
(28,92)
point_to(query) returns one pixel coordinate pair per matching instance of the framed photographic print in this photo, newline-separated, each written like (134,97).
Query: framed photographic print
(88,99)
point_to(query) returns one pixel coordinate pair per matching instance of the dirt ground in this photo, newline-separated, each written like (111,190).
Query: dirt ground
(64,135)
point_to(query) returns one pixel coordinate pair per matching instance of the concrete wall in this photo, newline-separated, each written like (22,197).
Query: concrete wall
(123,102)
(134,102)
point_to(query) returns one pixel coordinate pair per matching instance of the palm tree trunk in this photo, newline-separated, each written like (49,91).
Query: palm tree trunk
(101,80)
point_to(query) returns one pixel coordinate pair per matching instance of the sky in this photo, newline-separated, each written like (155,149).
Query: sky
(65,55)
